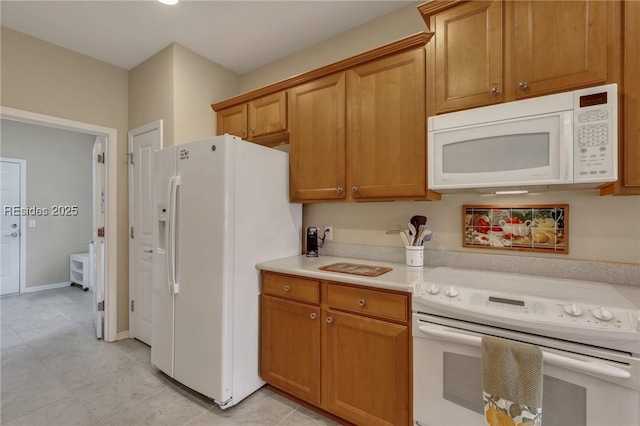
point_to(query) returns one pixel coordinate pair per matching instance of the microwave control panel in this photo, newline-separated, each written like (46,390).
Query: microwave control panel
(595,135)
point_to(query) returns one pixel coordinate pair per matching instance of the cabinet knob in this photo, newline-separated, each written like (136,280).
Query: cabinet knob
(243,131)
(361,302)
(523,85)
(495,90)
(313,315)
(287,288)
(329,320)
(339,190)
(354,189)
(252,130)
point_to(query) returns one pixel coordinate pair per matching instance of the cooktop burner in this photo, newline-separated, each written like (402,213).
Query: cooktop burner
(573,310)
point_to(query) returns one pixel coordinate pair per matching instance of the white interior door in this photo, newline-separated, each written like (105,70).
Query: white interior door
(143,141)
(98,260)
(10,227)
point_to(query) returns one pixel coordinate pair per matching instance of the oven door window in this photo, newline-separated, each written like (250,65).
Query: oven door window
(448,390)
(563,403)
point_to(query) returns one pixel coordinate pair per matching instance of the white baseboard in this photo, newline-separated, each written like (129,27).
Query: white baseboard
(122,335)
(47,287)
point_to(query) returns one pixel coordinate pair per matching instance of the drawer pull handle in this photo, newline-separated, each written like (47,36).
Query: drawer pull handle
(287,288)
(361,302)
(313,315)
(523,85)
(329,320)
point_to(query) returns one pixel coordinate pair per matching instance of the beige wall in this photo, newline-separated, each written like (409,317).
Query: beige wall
(601,228)
(386,29)
(198,83)
(43,78)
(59,173)
(178,86)
(151,93)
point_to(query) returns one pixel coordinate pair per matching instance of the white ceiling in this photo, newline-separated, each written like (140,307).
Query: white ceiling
(239,35)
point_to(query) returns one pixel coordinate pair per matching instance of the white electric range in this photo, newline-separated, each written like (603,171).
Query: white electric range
(588,332)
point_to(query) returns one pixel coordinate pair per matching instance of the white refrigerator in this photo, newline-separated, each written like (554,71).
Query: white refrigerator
(221,206)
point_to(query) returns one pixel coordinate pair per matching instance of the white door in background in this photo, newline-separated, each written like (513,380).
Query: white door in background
(10,228)
(98,261)
(143,141)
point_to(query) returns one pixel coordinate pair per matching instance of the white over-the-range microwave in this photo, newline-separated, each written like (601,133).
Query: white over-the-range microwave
(562,141)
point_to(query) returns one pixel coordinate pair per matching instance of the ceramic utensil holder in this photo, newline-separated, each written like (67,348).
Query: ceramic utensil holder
(415,256)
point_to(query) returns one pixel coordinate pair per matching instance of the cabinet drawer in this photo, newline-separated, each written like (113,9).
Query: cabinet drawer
(291,287)
(372,302)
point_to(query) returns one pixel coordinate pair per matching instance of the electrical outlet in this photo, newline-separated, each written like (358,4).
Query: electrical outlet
(329,234)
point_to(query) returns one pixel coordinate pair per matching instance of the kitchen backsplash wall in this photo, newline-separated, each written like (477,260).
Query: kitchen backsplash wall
(601,228)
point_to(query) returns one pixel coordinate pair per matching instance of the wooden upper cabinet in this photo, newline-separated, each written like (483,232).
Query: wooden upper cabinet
(233,120)
(317,138)
(387,127)
(487,52)
(465,57)
(559,45)
(631,142)
(629,108)
(356,128)
(256,119)
(268,115)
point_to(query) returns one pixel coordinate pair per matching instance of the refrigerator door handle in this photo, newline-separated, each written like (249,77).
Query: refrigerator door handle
(170,236)
(174,227)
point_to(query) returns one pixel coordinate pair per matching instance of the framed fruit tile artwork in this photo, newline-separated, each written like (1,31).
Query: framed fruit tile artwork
(536,227)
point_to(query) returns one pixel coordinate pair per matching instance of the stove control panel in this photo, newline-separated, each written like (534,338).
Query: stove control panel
(541,310)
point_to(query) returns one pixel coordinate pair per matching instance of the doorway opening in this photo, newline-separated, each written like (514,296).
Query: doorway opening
(99,258)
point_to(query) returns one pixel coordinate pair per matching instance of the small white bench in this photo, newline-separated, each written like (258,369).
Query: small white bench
(79,270)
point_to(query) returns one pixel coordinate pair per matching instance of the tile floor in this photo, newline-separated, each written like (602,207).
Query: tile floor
(54,372)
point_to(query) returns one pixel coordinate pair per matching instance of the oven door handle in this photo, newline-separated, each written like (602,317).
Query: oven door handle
(591,367)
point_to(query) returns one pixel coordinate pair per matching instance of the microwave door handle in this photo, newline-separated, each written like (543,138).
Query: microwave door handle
(593,367)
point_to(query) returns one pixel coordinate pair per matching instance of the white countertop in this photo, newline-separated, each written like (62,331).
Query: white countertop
(401,277)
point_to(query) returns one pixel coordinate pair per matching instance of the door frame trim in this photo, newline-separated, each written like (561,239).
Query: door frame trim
(155,125)
(111,201)
(23,221)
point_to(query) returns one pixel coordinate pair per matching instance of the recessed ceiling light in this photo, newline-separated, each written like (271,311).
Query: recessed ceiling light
(169,2)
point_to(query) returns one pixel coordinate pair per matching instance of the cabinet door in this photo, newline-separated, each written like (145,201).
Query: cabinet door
(387,127)
(232,120)
(466,56)
(631,144)
(268,115)
(559,45)
(366,369)
(290,358)
(317,140)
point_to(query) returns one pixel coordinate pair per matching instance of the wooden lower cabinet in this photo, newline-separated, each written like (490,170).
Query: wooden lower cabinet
(335,355)
(290,357)
(366,369)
